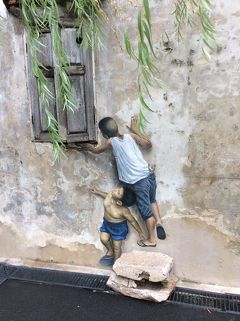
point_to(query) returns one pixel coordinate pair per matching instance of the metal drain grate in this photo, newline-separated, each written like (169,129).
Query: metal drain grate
(3,275)
(209,300)
(82,280)
(223,302)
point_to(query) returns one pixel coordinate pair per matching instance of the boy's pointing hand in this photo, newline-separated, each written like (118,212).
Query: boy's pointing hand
(133,126)
(93,189)
(134,120)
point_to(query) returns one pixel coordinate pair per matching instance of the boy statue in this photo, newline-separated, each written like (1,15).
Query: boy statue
(134,172)
(114,228)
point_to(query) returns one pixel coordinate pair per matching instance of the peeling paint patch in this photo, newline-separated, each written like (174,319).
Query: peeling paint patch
(210,217)
(77,254)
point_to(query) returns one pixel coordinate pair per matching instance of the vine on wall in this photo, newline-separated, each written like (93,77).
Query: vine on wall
(148,73)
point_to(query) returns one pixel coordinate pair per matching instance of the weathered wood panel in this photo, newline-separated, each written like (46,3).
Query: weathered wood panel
(72,48)
(45,55)
(76,122)
(52,107)
(89,93)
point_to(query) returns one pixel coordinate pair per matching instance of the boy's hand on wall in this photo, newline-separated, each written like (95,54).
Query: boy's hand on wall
(93,189)
(73,147)
(86,146)
(133,126)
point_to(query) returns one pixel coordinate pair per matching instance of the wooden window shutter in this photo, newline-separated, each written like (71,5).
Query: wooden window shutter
(80,124)
(74,126)
(38,115)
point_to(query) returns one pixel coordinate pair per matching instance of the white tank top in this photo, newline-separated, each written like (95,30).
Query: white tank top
(131,165)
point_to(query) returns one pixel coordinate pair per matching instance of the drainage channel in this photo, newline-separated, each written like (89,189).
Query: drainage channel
(81,280)
(208,300)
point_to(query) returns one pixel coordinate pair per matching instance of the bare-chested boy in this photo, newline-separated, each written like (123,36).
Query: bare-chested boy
(116,215)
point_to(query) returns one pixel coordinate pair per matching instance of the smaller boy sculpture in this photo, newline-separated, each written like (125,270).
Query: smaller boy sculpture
(114,228)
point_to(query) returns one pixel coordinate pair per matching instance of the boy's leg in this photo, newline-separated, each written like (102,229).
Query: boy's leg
(160,230)
(145,191)
(117,248)
(152,196)
(155,209)
(151,225)
(142,191)
(107,242)
(156,212)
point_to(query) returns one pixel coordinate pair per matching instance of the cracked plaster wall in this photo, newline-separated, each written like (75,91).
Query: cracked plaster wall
(47,213)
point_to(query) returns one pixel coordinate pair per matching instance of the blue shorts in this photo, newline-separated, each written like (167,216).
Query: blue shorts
(118,231)
(145,191)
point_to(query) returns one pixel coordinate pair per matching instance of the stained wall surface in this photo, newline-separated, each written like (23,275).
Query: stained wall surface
(47,213)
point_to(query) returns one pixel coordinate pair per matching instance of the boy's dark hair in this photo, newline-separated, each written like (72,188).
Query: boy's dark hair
(108,127)
(128,198)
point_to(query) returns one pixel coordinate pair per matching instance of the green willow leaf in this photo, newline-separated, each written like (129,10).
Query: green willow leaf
(128,46)
(144,104)
(140,28)
(143,117)
(147,13)
(146,88)
(206,54)
(148,36)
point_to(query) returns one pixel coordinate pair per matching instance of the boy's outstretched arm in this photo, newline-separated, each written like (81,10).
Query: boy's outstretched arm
(91,148)
(139,138)
(98,149)
(128,216)
(96,191)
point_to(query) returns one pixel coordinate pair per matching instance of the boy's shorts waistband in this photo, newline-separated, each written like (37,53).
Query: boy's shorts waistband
(109,222)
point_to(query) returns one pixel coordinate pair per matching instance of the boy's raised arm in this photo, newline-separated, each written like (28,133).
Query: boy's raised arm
(96,191)
(139,138)
(98,149)
(141,141)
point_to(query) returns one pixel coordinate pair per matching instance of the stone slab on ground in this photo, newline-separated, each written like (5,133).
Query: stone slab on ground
(139,265)
(157,292)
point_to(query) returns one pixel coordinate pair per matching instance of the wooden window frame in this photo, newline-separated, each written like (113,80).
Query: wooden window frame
(84,69)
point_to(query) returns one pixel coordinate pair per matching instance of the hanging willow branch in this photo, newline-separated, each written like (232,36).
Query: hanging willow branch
(208,33)
(2,29)
(148,73)
(35,19)
(185,11)
(1,24)
(90,21)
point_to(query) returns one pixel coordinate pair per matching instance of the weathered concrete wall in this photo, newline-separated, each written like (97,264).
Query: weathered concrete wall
(47,212)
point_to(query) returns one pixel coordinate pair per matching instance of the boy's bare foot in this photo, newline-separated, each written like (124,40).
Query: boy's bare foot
(145,243)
